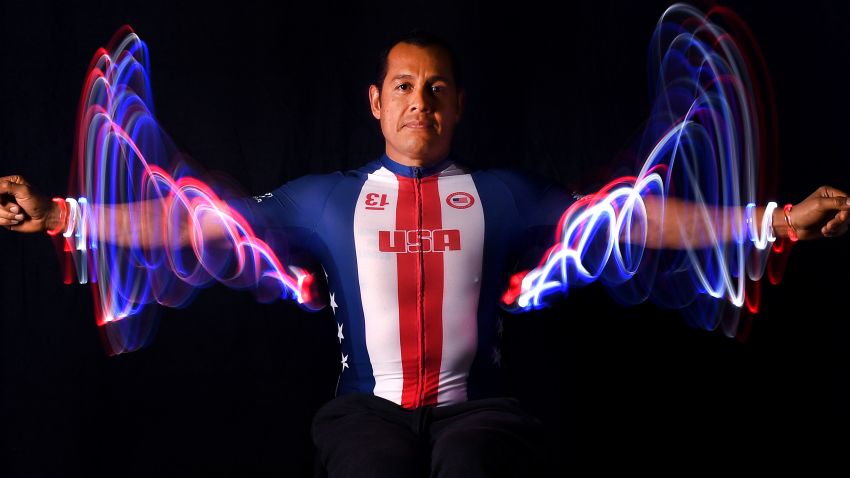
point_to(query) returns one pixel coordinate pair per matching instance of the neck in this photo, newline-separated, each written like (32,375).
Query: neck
(412,171)
(415,161)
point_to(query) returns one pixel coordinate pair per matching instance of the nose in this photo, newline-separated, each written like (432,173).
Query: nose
(422,100)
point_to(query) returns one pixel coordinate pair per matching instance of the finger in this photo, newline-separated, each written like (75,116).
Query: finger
(834,231)
(8,222)
(13,215)
(11,207)
(831,224)
(835,225)
(839,219)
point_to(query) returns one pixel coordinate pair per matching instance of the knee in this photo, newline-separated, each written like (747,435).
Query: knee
(363,458)
(486,452)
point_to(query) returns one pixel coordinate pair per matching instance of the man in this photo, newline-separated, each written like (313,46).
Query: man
(417,249)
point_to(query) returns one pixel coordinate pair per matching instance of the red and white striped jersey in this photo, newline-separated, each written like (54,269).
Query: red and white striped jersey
(416,260)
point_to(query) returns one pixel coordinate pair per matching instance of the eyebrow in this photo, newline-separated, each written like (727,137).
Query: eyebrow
(407,76)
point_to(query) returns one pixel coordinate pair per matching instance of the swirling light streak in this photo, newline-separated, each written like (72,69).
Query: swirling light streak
(120,161)
(704,146)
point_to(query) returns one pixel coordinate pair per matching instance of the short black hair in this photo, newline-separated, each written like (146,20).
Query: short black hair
(420,38)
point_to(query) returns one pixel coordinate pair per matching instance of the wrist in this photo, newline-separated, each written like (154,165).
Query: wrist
(780,227)
(760,224)
(56,217)
(790,231)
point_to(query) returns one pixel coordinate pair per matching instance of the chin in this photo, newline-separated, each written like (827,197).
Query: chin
(418,148)
(422,146)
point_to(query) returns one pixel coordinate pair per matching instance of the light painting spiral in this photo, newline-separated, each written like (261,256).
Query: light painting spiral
(704,143)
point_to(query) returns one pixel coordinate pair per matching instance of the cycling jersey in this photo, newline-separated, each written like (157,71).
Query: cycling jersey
(415,261)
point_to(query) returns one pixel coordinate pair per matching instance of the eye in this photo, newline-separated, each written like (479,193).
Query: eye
(403,87)
(438,88)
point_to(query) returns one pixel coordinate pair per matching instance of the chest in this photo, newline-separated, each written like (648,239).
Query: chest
(433,215)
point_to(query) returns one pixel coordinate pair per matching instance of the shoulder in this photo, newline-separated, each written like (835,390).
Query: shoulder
(311,182)
(519,182)
(305,189)
(541,200)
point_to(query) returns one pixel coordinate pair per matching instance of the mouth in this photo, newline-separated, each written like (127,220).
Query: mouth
(419,125)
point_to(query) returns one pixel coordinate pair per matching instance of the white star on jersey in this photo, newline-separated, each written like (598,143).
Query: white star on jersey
(344,361)
(333,303)
(339,332)
(497,356)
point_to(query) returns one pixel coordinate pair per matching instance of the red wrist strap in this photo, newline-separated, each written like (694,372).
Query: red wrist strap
(792,233)
(63,214)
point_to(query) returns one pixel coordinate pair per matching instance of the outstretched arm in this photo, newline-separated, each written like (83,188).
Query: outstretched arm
(678,224)
(140,224)
(583,251)
(23,209)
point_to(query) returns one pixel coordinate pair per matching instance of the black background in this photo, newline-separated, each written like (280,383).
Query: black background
(269,93)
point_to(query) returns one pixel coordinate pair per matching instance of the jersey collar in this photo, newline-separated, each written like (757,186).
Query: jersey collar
(411,171)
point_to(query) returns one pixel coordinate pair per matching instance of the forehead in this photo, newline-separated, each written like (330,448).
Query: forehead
(406,58)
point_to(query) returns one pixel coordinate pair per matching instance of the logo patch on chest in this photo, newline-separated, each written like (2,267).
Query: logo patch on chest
(460,200)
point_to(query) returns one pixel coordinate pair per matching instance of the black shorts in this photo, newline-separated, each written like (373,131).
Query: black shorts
(363,435)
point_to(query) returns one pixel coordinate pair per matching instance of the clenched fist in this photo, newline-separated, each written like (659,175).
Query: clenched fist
(22,209)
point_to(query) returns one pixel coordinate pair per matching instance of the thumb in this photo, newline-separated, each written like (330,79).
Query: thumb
(17,190)
(835,202)
(16,178)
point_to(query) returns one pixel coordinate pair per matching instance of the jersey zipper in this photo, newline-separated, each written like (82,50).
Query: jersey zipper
(420,305)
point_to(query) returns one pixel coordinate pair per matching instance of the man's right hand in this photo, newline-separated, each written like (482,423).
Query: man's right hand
(22,209)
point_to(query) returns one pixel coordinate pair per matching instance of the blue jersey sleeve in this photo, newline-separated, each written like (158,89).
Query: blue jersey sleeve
(541,203)
(546,202)
(291,211)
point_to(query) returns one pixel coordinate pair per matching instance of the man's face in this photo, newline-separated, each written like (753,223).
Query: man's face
(418,105)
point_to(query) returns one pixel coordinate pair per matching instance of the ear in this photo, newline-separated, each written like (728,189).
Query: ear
(375,101)
(460,103)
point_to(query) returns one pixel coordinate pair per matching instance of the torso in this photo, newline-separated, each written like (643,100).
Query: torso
(415,261)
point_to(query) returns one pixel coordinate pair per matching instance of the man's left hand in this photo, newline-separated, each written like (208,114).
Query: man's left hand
(825,213)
